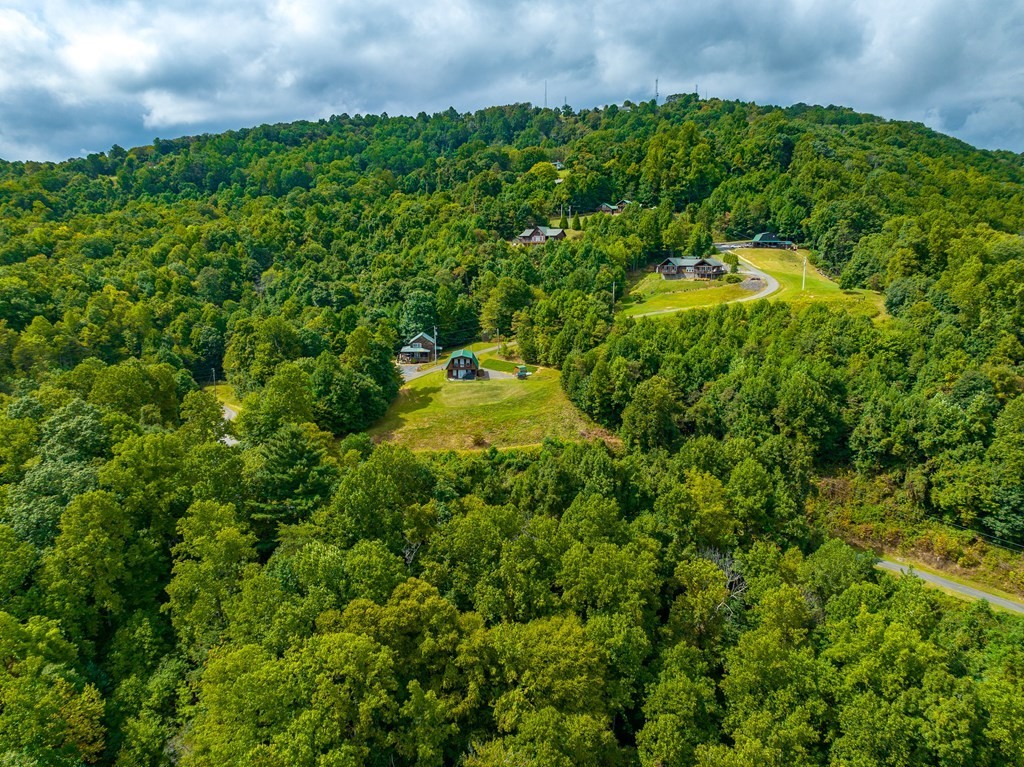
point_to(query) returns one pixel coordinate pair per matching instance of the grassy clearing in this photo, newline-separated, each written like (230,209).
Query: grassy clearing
(787,267)
(225,394)
(503,366)
(679,295)
(433,413)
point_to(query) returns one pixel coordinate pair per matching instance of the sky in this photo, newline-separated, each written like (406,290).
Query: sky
(78,77)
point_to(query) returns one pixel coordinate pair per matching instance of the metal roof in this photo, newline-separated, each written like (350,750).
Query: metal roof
(464,353)
(545,230)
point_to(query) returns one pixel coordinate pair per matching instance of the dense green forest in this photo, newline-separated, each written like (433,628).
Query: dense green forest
(304,597)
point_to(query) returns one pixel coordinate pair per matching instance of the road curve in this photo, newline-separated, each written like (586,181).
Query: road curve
(938,580)
(771,285)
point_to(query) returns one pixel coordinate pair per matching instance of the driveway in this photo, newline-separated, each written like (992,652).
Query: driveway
(771,284)
(959,588)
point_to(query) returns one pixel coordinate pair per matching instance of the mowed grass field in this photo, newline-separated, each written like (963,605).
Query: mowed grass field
(654,294)
(787,267)
(432,413)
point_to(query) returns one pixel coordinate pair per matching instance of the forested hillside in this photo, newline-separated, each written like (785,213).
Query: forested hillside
(304,597)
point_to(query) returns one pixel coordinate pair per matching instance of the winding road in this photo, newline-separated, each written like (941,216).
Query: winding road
(959,588)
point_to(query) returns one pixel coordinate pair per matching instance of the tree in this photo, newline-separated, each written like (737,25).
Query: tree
(215,547)
(700,243)
(289,476)
(648,421)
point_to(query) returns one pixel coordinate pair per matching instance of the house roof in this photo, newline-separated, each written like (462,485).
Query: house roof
(414,350)
(547,231)
(464,353)
(767,237)
(691,261)
(425,336)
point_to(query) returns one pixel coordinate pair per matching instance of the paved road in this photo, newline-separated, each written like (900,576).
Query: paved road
(230,414)
(938,580)
(771,284)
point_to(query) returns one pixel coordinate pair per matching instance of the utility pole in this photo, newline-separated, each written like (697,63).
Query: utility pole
(655,90)
(435,344)
(804,284)
(214,370)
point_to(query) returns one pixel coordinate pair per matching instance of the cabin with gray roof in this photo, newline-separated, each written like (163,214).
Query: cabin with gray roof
(706,268)
(538,235)
(420,348)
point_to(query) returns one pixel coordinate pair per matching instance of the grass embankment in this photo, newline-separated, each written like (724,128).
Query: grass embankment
(787,267)
(432,413)
(873,514)
(225,394)
(654,294)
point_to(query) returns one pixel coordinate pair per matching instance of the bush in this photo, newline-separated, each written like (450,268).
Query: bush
(732,279)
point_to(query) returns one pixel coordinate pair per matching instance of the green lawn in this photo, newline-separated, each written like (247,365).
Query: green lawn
(504,366)
(787,267)
(432,413)
(654,294)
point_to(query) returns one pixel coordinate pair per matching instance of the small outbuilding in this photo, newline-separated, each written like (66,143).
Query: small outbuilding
(463,366)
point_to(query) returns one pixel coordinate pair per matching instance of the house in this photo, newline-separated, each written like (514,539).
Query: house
(538,235)
(420,348)
(463,366)
(559,165)
(693,268)
(769,240)
(615,209)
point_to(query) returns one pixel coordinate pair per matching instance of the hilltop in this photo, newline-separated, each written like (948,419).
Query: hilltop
(625,558)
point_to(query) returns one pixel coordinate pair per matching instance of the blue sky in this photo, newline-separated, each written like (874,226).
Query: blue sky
(78,77)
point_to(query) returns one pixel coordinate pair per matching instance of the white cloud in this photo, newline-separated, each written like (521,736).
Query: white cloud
(98,72)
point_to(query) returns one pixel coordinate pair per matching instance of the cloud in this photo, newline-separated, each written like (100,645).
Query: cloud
(94,73)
